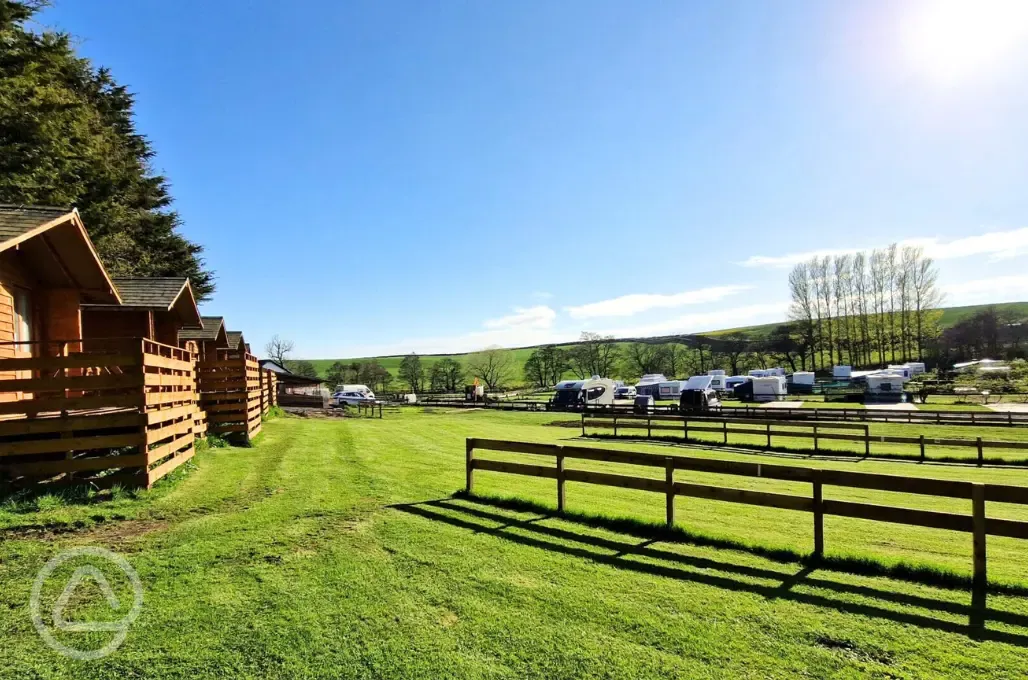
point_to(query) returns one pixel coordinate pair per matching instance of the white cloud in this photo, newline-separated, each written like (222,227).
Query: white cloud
(732,317)
(627,305)
(999,244)
(1013,288)
(540,317)
(541,295)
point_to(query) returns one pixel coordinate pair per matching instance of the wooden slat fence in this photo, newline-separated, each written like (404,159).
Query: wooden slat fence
(124,406)
(269,390)
(976,523)
(813,431)
(230,393)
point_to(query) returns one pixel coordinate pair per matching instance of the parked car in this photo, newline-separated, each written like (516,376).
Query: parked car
(350,398)
(625,392)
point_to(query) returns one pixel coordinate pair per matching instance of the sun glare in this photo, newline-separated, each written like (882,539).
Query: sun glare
(951,41)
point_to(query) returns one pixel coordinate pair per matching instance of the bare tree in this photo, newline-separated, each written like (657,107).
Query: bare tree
(926,295)
(278,349)
(802,308)
(492,366)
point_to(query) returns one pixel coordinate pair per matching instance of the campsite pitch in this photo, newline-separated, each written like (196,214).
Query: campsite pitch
(335,548)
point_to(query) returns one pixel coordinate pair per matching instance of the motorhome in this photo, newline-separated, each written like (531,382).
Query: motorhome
(885,386)
(698,395)
(801,382)
(594,391)
(650,384)
(736,380)
(671,389)
(902,369)
(766,372)
(718,380)
(769,388)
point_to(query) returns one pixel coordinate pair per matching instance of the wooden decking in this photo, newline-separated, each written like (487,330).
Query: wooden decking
(230,393)
(121,416)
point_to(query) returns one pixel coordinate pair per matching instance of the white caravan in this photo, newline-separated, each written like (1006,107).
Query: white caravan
(769,388)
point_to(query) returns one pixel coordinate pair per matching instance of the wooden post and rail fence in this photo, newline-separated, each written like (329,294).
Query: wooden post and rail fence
(801,429)
(977,523)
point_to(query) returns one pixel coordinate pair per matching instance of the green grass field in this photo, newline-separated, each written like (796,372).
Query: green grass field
(950,316)
(335,548)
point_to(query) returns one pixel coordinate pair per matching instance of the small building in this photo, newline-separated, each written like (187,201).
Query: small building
(296,390)
(206,340)
(153,308)
(105,412)
(236,340)
(48,268)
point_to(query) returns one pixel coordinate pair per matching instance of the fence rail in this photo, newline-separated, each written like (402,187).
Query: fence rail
(773,428)
(970,418)
(977,523)
(230,393)
(124,410)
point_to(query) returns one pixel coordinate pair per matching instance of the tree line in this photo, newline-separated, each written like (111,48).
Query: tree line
(865,309)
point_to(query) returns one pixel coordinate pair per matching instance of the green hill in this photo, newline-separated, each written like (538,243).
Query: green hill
(950,316)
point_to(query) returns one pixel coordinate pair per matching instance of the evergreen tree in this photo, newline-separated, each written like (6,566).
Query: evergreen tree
(67,138)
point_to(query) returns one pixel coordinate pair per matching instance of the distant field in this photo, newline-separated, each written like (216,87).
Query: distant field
(950,316)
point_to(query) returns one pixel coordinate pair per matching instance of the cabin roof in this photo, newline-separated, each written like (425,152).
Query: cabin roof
(213,326)
(234,338)
(19,220)
(156,293)
(56,247)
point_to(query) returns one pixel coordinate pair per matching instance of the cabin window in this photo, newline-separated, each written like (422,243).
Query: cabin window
(22,318)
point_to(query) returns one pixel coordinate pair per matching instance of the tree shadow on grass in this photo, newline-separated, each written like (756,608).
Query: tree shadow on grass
(481,514)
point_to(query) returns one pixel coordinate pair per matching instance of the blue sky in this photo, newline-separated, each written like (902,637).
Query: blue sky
(381,177)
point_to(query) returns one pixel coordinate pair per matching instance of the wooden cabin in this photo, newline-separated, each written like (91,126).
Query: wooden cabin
(206,340)
(154,308)
(237,341)
(75,409)
(48,268)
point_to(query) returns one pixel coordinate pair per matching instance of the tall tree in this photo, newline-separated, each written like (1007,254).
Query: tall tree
(67,138)
(492,366)
(412,372)
(595,355)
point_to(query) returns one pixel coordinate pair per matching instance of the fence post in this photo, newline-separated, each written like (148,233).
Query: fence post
(978,527)
(867,439)
(583,423)
(724,429)
(615,424)
(815,436)
(819,519)
(685,423)
(981,456)
(769,434)
(560,482)
(922,448)
(669,479)
(469,465)
(972,417)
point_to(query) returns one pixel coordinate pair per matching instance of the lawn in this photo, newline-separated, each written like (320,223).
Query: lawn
(335,549)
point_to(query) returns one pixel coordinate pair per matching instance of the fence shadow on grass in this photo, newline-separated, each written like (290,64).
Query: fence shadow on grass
(481,513)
